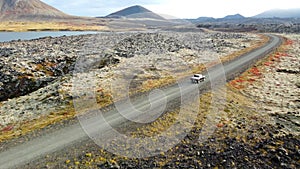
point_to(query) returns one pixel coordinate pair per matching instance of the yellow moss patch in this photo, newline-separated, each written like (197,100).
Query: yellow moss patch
(39,123)
(156,83)
(104,99)
(49,26)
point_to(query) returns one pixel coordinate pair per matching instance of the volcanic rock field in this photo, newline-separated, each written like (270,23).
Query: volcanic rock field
(36,75)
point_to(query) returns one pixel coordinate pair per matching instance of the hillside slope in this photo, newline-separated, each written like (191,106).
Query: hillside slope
(135,12)
(32,10)
(280,13)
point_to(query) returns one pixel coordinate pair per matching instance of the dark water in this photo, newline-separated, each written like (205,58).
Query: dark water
(9,36)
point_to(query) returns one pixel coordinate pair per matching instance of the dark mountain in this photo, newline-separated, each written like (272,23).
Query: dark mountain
(231,17)
(135,12)
(280,13)
(31,10)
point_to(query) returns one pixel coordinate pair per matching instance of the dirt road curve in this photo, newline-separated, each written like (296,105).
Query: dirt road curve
(36,148)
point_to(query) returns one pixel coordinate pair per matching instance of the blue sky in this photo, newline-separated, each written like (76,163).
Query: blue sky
(176,8)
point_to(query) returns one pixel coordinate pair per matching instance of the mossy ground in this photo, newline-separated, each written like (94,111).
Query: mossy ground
(104,97)
(243,137)
(239,132)
(11,26)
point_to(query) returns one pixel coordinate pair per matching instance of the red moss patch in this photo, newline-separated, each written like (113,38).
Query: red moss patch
(251,80)
(255,71)
(220,125)
(268,63)
(289,42)
(8,128)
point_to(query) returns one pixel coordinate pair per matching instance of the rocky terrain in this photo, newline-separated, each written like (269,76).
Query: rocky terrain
(257,127)
(275,25)
(37,75)
(278,90)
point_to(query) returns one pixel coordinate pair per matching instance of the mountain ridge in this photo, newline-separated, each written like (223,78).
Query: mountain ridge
(273,13)
(135,11)
(235,16)
(280,13)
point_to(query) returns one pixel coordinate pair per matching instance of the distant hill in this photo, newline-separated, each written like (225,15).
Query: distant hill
(228,18)
(280,13)
(205,19)
(279,21)
(236,16)
(135,12)
(31,10)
